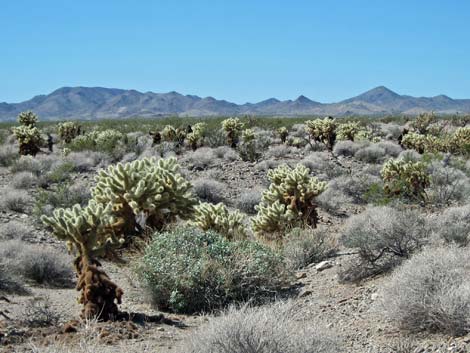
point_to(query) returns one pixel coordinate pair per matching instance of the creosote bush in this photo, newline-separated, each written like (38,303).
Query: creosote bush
(383,237)
(275,328)
(289,200)
(431,292)
(189,270)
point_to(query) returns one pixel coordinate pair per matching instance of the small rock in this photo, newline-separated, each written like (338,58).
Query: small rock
(300,275)
(323,265)
(305,293)
(374,296)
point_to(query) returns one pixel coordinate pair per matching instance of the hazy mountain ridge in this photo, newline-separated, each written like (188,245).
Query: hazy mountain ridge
(98,103)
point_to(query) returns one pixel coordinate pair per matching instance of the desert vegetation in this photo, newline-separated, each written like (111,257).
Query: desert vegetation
(259,235)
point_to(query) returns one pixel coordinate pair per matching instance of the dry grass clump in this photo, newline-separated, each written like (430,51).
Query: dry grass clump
(249,199)
(201,158)
(14,230)
(280,151)
(347,148)
(209,190)
(371,154)
(322,166)
(277,328)
(23,180)
(15,200)
(226,153)
(8,155)
(448,185)
(431,292)
(303,247)
(453,225)
(86,160)
(45,266)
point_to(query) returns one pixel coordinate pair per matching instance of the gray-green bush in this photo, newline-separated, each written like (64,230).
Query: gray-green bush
(189,270)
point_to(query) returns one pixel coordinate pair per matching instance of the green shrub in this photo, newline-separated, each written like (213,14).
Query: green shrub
(189,270)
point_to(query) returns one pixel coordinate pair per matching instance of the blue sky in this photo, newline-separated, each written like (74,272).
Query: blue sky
(238,50)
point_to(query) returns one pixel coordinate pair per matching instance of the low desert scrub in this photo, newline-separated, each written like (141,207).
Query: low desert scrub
(453,225)
(8,155)
(249,199)
(39,312)
(41,265)
(303,247)
(86,160)
(447,185)
(15,200)
(431,292)
(410,156)
(209,190)
(61,196)
(226,153)
(23,180)
(10,284)
(201,158)
(383,237)
(280,151)
(267,165)
(15,230)
(322,166)
(391,149)
(189,270)
(371,154)
(27,164)
(347,148)
(277,328)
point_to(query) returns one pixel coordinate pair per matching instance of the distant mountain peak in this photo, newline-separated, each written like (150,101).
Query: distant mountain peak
(303,99)
(99,102)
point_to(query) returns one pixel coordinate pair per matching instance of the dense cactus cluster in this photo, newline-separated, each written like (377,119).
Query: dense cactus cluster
(322,131)
(348,131)
(196,136)
(422,123)
(28,118)
(408,179)
(283,133)
(89,234)
(218,218)
(232,128)
(154,189)
(289,200)
(27,134)
(169,133)
(68,131)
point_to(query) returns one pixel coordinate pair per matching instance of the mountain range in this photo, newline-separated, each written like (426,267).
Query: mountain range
(90,103)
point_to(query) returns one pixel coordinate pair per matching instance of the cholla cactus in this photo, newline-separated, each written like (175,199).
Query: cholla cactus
(322,131)
(28,119)
(283,133)
(289,201)
(218,218)
(422,122)
(348,131)
(68,131)
(196,137)
(169,133)
(408,179)
(232,128)
(88,233)
(109,137)
(426,143)
(460,140)
(154,189)
(29,139)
